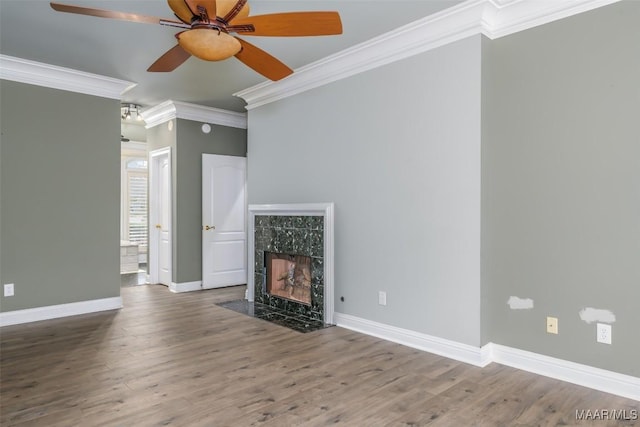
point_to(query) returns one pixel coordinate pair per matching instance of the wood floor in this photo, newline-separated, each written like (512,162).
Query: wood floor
(180,360)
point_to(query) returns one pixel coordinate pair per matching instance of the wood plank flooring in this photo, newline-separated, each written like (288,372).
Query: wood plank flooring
(180,360)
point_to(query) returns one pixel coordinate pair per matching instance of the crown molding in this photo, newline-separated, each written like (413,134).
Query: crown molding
(433,31)
(505,17)
(161,113)
(169,110)
(493,18)
(51,76)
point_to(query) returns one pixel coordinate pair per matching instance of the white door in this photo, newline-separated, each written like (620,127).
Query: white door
(224,227)
(160,217)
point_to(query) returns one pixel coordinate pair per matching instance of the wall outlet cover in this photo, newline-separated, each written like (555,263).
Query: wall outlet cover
(552,325)
(603,333)
(9,290)
(382,298)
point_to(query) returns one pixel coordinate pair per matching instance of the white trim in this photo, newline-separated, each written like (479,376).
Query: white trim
(519,15)
(61,310)
(159,114)
(576,373)
(493,18)
(177,288)
(133,146)
(440,346)
(169,110)
(39,74)
(302,209)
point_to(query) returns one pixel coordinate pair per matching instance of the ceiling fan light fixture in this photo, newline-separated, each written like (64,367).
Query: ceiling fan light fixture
(209,44)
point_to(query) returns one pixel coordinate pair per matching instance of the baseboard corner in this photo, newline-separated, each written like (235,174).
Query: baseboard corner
(177,288)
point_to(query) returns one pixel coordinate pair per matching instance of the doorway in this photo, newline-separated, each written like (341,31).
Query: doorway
(133,213)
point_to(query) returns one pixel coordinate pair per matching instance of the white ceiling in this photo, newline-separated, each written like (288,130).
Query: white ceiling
(30,29)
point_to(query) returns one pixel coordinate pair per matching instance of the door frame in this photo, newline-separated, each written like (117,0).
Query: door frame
(155,157)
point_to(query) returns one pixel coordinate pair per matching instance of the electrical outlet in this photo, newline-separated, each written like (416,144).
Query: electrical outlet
(603,333)
(552,325)
(9,289)
(382,298)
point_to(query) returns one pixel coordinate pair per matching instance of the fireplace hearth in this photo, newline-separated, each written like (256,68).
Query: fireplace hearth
(275,315)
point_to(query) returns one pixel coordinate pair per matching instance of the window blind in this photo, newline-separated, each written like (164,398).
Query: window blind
(137,214)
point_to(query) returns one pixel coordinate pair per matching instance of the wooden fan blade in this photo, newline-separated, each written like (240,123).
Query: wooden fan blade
(292,24)
(209,5)
(262,62)
(171,60)
(123,16)
(238,9)
(181,9)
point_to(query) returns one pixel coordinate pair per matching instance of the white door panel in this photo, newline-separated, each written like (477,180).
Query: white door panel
(228,255)
(160,217)
(228,199)
(165,223)
(224,235)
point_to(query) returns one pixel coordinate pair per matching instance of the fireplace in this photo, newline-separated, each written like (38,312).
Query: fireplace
(288,276)
(291,255)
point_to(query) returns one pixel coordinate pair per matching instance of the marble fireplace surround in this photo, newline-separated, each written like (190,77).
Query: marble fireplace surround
(324,210)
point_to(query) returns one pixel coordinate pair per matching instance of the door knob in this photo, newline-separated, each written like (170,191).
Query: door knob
(209,227)
(158,226)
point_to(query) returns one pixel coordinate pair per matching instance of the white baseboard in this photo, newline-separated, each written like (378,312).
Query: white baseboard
(576,373)
(584,375)
(443,347)
(61,310)
(185,287)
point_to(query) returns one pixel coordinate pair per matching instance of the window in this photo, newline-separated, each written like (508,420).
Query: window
(137,164)
(134,202)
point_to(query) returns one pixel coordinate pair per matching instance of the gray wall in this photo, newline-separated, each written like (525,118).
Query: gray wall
(561,185)
(60,192)
(398,151)
(188,144)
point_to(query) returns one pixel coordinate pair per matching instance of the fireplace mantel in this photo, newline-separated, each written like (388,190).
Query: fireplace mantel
(301,209)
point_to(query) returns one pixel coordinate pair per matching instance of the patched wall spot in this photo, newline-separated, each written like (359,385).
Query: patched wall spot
(590,315)
(516,303)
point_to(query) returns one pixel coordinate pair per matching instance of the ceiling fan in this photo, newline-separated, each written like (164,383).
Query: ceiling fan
(208,27)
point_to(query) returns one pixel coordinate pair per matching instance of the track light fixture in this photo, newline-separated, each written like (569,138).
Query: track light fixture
(126,111)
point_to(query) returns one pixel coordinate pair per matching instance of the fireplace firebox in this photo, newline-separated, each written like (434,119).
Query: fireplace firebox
(288,276)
